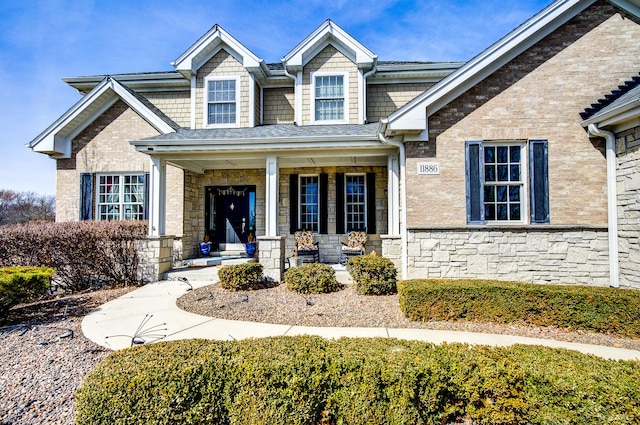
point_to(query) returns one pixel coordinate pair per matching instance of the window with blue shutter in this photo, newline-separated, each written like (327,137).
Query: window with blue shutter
(539,181)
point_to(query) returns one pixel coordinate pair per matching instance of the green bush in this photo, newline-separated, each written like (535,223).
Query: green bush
(596,309)
(240,277)
(311,278)
(310,380)
(22,284)
(373,275)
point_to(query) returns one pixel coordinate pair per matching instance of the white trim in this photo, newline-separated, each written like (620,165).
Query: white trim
(120,203)
(252,101)
(157,196)
(205,101)
(345,202)
(298,99)
(524,181)
(362,96)
(300,176)
(345,82)
(271,196)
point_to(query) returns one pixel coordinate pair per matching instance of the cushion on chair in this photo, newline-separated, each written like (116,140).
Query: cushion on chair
(304,241)
(355,242)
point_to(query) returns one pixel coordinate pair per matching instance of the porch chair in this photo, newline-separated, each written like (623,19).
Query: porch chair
(354,246)
(306,246)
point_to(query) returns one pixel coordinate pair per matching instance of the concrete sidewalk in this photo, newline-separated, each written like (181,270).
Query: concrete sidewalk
(150,314)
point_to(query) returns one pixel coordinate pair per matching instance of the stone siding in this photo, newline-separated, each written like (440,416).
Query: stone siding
(331,242)
(175,104)
(384,99)
(628,190)
(538,95)
(194,201)
(222,64)
(156,257)
(541,255)
(103,147)
(278,104)
(330,60)
(271,254)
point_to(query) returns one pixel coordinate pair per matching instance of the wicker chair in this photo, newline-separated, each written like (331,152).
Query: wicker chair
(354,246)
(306,246)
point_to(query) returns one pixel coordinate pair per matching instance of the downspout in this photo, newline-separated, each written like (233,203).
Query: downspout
(295,92)
(364,94)
(403,193)
(612,201)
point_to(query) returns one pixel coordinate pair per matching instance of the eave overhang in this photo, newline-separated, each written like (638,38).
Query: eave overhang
(140,82)
(414,115)
(56,140)
(622,117)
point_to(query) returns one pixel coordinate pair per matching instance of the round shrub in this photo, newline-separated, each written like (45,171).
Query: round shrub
(21,284)
(373,275)
(240,277)
(311,278)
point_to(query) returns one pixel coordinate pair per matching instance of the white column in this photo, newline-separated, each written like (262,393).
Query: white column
(157,197)
(271,202)
(393,192)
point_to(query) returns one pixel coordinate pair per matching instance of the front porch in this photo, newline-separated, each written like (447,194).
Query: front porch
(327,179)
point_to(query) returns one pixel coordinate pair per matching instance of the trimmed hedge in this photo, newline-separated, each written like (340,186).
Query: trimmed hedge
(22,284)
(311,278)
(85,254)
(240,277)
(596,309)
(373,275)
(310,380)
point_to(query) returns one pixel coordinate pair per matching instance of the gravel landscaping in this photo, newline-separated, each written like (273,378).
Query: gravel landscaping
(346,308)
(44,357)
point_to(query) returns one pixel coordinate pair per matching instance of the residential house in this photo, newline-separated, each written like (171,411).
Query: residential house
(482,169)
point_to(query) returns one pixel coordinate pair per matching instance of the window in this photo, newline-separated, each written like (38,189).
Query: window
(355,202)
(497,177)
(309,203)
(121,196)
(329,98)
(221,102)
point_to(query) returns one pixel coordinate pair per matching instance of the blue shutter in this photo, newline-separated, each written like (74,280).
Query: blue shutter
(339,203)
(86,196)
(293,203)
(145,211)
(324,203)
(539,181)
(371,203)
(474,177)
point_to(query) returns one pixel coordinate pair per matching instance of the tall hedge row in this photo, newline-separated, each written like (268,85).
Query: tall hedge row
(310,380)
(84,254)
(604,310)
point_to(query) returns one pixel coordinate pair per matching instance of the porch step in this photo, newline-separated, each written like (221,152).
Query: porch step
(232,247)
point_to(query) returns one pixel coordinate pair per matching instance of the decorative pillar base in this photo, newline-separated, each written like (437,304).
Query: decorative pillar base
(155,257)
(271,255)
(392,249)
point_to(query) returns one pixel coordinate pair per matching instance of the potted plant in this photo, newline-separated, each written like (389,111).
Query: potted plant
(250,246)
(205,246)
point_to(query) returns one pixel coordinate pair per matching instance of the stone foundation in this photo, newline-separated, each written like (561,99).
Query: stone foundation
(271,254)
(533,254)
(156,257)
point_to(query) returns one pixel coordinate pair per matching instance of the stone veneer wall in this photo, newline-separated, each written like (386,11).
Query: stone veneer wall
(628,176)
(548,254)
(156,257)
(271,254)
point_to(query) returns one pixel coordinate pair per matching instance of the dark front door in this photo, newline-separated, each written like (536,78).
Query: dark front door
(230,213)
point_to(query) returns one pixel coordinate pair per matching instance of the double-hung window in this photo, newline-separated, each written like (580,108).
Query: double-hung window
(329,98)
(310,203)
(221,102)
(355,202)
(499,178)
(120,196)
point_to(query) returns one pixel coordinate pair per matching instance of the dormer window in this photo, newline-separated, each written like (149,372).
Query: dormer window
(329,98)
(222,108)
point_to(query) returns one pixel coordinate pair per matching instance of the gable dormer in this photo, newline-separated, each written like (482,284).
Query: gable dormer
(223,75)
(329,68)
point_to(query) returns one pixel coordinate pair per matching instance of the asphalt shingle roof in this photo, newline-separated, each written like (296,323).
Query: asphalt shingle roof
(621,95)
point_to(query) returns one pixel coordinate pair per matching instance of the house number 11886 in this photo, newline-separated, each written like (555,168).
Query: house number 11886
(428,168)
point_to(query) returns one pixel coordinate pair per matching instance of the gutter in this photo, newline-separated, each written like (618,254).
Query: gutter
(297,103)
(595,131)
(403,192)
(364,91)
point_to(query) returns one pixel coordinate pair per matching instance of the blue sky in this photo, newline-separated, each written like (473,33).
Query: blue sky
(42,41)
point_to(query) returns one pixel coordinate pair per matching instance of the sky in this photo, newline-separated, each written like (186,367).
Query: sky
(43,41)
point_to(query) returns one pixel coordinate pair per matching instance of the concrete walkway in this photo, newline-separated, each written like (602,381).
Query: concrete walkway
(150,314)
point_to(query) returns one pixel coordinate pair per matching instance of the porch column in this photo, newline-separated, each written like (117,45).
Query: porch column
(157,197)
(393,192)
(271,195)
